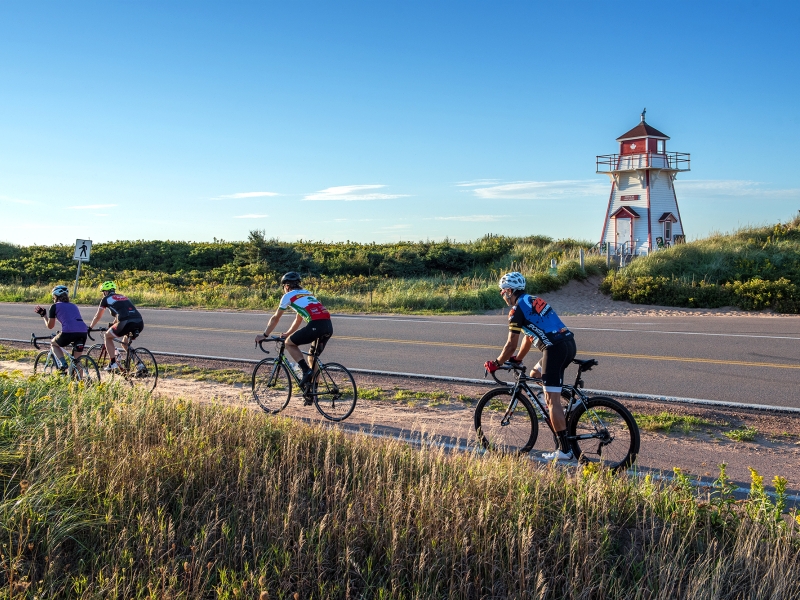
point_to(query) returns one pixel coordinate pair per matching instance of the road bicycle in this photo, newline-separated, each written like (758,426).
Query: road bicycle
(332,389)
(82,368)
(136,365)
(600,429)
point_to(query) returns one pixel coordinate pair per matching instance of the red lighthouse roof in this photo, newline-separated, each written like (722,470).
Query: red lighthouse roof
(642,130)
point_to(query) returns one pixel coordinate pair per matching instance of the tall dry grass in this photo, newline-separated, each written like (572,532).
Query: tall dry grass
(112,493)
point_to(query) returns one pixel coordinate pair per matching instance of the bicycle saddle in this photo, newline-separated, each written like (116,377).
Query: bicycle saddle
(585,365)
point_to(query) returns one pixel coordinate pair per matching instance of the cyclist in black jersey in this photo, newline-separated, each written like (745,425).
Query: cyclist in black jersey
(128,321)
(533,317)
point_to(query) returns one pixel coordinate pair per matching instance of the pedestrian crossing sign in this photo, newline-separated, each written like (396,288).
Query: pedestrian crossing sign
(83,248)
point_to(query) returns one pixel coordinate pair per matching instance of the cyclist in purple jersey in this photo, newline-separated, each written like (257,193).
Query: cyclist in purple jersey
(536,319)
(128,322)
(73,329)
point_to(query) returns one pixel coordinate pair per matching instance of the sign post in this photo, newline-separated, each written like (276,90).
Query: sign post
(83,248)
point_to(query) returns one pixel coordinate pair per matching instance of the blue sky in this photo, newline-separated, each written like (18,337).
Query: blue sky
(382,121)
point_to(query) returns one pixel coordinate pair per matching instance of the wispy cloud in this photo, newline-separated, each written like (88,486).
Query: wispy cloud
(246,195)
(350,193)
(472,218)
(542,190)
(477,182)
(16,200)
(396,227)
(251,217)
(92,206)
(733,187)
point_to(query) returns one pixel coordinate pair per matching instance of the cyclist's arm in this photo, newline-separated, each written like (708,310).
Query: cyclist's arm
(97,316)
(524,347)
(298,321)
(272,324)
(509,348)
(50,317)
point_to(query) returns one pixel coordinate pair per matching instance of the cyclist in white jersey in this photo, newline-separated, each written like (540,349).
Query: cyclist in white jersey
(318,329)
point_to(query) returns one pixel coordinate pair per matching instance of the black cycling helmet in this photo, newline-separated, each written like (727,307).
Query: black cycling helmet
(291,277)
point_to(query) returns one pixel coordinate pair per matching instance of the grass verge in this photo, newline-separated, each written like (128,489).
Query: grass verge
(112,493)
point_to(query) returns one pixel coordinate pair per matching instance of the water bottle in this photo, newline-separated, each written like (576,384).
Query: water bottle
(296,368)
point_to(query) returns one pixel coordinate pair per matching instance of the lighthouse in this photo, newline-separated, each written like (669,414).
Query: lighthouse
(642,214)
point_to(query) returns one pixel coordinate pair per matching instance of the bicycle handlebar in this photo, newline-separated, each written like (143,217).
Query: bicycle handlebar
(35,339)
(274,338)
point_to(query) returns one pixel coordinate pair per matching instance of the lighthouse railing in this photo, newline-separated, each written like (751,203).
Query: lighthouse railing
(673,161)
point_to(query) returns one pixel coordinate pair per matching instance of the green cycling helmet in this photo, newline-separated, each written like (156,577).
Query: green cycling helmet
(108,286)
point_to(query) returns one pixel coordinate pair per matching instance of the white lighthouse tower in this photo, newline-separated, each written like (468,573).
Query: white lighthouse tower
(642,213)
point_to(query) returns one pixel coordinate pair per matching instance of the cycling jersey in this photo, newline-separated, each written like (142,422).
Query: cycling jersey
(69,316)
(534,317)
(122,308)
(304,304)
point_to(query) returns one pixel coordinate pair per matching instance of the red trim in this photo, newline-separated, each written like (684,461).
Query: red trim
(625,212)
(608,210)
(649,224)
(674,197)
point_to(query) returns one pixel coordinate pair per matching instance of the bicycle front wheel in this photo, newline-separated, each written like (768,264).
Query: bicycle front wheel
(503,428)
(86,370)
(272,387)
(44,364)
(142,368)
(334,392)
(604,432)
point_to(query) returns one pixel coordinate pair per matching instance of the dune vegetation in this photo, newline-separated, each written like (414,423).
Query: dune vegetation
(403,277)
(110,492)
(754,268)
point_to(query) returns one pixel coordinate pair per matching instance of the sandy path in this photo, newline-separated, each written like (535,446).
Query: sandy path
(775,451)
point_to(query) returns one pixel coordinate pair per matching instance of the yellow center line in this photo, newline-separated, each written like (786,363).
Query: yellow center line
(711,361)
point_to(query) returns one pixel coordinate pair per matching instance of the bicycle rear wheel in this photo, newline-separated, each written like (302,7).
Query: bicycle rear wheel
(272,387)
(334,392)
(142,368)
(501,428)
(86,370)
(603,431)
(44,364)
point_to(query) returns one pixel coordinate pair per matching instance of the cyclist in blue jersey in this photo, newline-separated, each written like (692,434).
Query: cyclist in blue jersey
(73,329)
(536,319)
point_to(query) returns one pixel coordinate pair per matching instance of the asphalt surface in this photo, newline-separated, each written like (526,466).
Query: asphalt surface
(731,359)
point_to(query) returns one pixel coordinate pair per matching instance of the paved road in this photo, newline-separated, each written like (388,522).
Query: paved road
(738,359)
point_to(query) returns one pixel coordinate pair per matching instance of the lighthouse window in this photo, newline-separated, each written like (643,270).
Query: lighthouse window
(660,146)
(667,230)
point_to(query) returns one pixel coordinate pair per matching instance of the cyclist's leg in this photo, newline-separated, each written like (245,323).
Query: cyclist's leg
(555,360)
(78,344)
(55,346)
(109,336)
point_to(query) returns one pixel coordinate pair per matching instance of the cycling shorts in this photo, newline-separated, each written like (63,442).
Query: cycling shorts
(128,327)
(555,360)
(317,333)
(78,340)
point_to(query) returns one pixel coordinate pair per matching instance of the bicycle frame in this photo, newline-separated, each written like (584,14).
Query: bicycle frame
(281,359)
(573,392)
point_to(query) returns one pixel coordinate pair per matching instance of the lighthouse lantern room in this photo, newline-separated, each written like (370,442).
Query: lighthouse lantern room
(642,213)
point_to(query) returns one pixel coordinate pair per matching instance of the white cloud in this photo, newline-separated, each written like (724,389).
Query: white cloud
(251,217)
(350,193)
(16,200)
(246,195)
(732,187)
(92,206)
(396,227)
(477,182)
(543,190)
(472,218)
